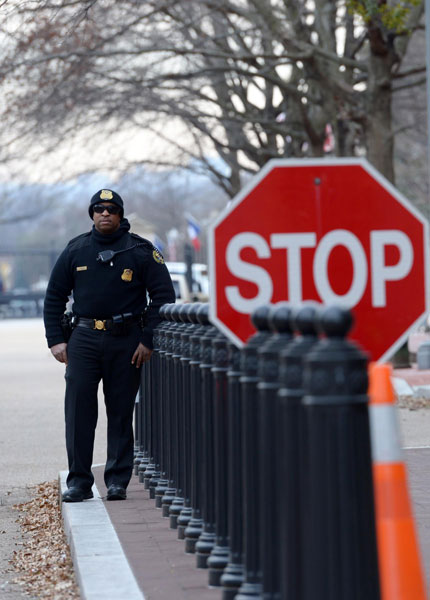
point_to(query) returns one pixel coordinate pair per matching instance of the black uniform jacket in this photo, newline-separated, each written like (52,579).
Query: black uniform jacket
(101,290)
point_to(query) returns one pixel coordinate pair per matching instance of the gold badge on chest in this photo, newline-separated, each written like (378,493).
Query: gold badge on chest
(127,275)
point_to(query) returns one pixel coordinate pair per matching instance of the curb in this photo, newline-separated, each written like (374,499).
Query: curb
(402,387)
(101,567)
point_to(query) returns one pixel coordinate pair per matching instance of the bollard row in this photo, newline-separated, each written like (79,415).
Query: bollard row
(260,457)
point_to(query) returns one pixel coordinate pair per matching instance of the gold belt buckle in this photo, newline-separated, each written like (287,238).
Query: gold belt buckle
(100,325)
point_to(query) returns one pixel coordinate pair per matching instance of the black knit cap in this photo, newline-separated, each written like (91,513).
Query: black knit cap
(106,195)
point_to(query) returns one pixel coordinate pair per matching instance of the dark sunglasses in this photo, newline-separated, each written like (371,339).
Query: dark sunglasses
(112,210)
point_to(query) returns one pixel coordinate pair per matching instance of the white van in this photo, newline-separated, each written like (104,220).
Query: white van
(200,289)
(180,285)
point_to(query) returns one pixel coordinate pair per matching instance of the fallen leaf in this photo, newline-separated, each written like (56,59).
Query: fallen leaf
(44,565)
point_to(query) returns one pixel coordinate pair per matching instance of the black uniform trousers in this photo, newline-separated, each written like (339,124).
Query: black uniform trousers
(94,356)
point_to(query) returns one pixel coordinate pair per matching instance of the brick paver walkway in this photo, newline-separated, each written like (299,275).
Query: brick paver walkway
(418,461)
(161,566)
(413,376)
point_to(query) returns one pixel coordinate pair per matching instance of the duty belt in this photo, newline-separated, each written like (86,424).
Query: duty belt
(104,324)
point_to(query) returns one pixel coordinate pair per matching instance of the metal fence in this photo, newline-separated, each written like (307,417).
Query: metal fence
(260,457)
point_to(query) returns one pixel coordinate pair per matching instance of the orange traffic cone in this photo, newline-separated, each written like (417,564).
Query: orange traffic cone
(400,572)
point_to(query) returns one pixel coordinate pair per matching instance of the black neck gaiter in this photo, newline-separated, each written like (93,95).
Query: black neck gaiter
(110,238)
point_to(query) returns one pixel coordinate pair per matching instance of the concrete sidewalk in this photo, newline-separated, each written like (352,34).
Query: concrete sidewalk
(126,550)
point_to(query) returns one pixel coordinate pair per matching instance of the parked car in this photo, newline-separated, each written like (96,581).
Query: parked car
(21,303)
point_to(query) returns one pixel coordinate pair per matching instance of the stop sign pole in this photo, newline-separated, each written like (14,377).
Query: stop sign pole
(330,230)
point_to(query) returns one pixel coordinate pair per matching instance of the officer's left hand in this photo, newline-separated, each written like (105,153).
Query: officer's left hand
(141,355)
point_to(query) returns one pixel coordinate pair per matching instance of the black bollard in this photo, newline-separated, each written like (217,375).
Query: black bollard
(148,424)
(232,578)
(339,541)
(143,428)
(218,558)
(135,430)
(178,418)
(268,371)
(206,539)
(195,525)
(153,367)
(251,586)
(159,348)
(141,459)
(170,492)
(290,396)
(138,453)
(185,514)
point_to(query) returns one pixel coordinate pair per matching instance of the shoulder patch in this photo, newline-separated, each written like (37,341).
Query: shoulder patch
(157,256)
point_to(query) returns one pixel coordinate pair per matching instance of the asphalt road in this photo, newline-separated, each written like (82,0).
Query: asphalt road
(31,407)
(32,446)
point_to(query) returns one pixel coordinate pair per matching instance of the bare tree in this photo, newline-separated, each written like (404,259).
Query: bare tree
(243,80)
(17,207)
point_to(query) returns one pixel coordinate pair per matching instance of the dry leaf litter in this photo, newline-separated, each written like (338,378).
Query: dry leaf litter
(413,402)
(44,564)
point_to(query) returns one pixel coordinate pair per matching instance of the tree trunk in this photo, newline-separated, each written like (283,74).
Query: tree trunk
(380,139)
(235,182)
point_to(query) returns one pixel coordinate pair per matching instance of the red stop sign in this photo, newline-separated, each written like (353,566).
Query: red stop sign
(335,231)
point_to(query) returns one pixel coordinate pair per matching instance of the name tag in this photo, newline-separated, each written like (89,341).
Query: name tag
(81,268)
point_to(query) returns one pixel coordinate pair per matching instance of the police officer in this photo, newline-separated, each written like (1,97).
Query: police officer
(110,272)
